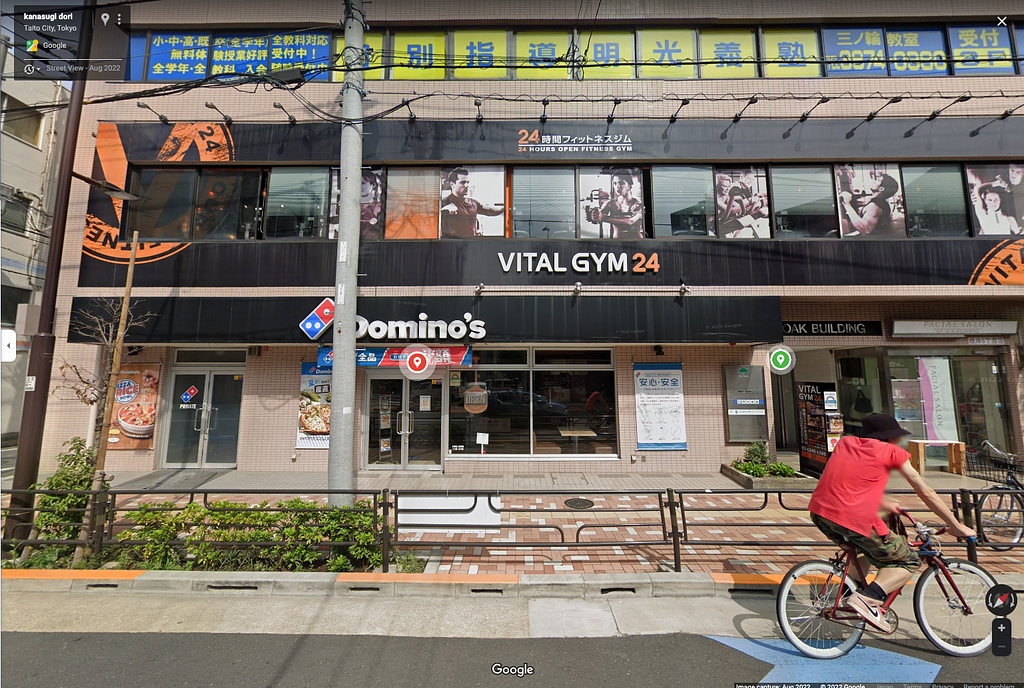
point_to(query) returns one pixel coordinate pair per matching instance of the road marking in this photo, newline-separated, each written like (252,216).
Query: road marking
(863,664)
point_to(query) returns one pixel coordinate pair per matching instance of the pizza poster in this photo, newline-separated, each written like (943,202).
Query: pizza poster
(133,417)
(314,407)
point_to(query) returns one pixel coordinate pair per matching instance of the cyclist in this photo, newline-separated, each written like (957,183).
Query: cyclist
(849,499)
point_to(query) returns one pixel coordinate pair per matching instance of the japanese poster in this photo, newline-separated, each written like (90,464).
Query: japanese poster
(612,203)
(855,51)
(419,56)
(741,200)
(608,55)
(728,54)
(668,54)
(239,55)
(815,425)
(373,57)
(543,55)
(981,49)
(311,51)
(870,200)
(660,420)
(997,198)
(480,54)
(473,201)
(791,52)
(314,408)
(916,52)
(133,417)
(177,56)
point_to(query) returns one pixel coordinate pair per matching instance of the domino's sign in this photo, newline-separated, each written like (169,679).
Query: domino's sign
(319,320)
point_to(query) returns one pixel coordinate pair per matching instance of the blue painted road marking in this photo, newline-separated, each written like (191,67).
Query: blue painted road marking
(862,664)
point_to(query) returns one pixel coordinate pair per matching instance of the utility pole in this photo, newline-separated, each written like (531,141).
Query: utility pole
(108,407)
(40,357)
(340,459)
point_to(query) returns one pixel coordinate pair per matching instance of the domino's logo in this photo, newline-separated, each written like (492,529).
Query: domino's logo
(318,321)
(189,393)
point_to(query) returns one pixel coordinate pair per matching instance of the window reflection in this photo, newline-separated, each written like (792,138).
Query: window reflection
(684,198)
(805,204)
(573,412)
(935,200)
(226,206)
(505,420)
(164,208)
(544,203)
(296,205)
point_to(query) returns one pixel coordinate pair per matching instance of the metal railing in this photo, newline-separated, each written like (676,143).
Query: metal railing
(678,515)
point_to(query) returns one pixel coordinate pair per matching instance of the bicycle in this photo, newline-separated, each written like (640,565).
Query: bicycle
(949,602)
(1001,510)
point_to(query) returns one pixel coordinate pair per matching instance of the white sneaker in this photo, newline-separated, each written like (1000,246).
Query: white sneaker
(868,608)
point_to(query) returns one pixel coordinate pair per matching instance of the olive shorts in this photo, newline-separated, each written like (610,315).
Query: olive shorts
(888,551)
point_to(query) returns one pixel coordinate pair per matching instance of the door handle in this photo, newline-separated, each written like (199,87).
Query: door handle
(195,417)
(213,410)
(412,423)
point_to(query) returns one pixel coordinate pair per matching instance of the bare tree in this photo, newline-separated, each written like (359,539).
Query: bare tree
(98,324)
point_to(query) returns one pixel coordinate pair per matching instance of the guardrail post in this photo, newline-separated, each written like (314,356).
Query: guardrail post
(674,518)
(967,509)
(99,516)
(386,539)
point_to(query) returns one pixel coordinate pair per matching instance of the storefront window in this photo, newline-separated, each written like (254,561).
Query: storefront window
(741,203)
(544,203)
(412,203)
(297,203)
(997,198)
(164,208)
(870,198)
(572,357)
(226,207)
(500,356)
(684,200)
(935,200)
(805,203)
(860,390)
(505,420)
(978,383)
(573,412)
(612,203)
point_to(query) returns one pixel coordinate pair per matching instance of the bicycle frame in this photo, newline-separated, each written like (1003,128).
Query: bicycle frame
(929,556)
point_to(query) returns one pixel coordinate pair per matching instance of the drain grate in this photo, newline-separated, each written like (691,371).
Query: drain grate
(579,503)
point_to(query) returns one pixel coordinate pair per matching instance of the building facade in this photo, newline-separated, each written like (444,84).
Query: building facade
(583,234)
(31,152)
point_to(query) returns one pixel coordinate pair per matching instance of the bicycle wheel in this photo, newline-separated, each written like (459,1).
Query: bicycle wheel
(1001,519)
(943,617)
(805,595)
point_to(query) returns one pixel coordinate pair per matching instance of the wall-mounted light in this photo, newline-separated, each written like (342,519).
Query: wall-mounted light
(577,288)
(675,115)
(412,115)
(683,289)
(611,115)
(479,289)
(659,350)
(544,112)
(291,118)
(479,115)
(227,118)
(145,106)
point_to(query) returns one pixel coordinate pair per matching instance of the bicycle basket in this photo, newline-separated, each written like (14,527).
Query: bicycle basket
(987,465)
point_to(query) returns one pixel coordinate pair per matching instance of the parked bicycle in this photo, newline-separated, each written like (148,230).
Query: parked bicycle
(949,601)
(1001,511)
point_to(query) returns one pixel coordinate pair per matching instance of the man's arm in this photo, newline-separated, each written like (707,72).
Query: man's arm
(932,500)
(490,209)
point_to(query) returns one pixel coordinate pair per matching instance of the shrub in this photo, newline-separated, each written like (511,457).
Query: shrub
(408,563)
(758,470)
(780,469)
(757,452)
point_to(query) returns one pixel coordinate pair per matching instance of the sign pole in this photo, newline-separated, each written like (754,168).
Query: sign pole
(340,455)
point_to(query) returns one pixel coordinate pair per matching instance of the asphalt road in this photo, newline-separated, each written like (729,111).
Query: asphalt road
(156,660)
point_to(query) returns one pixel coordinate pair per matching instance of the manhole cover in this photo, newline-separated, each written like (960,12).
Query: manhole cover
(579,503)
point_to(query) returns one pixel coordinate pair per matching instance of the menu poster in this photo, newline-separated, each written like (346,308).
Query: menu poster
(133,418)
(314,408)
(815,425)
(660,421)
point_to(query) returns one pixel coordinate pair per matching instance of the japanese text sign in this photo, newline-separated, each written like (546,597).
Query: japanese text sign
(791,52)
(609,55)
(419,56)
(727,54)
(542,55)
(239,55)
(668,53)
(480,54)
(855,51)
(301,51)
(177,56)
(981,49)
(373,57)
(920,52)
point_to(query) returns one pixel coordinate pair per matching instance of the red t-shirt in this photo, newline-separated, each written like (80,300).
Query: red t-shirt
(853,483)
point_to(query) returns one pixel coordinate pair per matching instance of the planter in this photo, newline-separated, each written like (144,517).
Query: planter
(769,482)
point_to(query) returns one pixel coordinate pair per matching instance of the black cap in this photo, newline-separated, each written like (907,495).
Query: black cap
(881,426)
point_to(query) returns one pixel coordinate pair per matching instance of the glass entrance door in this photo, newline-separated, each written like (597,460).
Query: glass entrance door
(980,406)
(205,408)
(403,422)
